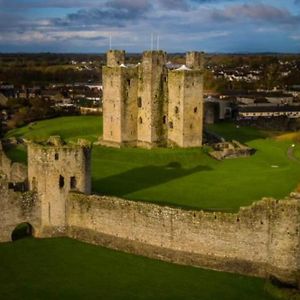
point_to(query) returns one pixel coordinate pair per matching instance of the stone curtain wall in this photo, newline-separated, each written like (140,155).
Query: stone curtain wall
(259,240)
(17,208)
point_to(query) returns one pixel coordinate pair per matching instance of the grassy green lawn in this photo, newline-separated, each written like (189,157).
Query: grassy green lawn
(184,177)
(67,269)
(69,128)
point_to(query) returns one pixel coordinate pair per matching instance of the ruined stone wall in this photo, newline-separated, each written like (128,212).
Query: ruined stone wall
(15,172)
(260,240)
(152,97)
(53,171)
(185,108)
(17,208)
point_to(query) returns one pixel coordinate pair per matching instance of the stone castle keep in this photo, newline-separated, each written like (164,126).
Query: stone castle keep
(153,103)
(53,196)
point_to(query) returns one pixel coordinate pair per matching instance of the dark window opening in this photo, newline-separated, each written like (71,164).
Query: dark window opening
(171,124)
(141,120)
(61,181)
(139,102)
(128,82)
(176,109)
(34,185)
(195,109)
(17,186)
(164,119)
(56,156)
(73,182)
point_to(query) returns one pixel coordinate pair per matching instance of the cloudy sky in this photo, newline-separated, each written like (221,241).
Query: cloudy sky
(209,25)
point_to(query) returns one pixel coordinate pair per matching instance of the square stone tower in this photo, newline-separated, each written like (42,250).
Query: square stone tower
(120,87)
(152,100)
(185,107)
(55,169)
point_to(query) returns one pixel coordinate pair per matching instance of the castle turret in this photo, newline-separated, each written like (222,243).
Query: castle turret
(120,87)
(152,99)
(195,60)
(55,169)
(185,107)
(115,58)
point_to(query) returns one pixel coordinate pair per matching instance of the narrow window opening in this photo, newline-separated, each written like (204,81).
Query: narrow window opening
(141,120)
(195,109)
(164,119)
(139,102)
(128,82)
(171,125)
(61,181)
(176,109)
(73,182)
(56,156)
(34,186)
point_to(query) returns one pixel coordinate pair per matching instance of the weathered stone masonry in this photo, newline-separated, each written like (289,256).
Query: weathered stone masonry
(260,240)
(153,103)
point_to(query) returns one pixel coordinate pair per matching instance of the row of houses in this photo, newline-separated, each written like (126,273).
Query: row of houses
(250,107)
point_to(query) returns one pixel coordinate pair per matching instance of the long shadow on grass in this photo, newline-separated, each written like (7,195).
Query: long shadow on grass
(142,178)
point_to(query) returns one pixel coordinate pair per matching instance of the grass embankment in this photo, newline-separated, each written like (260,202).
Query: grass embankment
(181,177)
(67,269)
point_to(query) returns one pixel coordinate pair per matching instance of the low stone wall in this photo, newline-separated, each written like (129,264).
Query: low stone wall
(260,240)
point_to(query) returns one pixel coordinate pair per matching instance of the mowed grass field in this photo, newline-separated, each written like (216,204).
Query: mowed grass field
(61,268)
(180,177)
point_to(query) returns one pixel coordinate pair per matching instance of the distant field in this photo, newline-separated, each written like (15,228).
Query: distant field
(181,177)
(61,268)
(69,128)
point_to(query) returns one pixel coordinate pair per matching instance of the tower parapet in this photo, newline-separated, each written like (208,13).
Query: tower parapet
(195,60)
(115,58)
